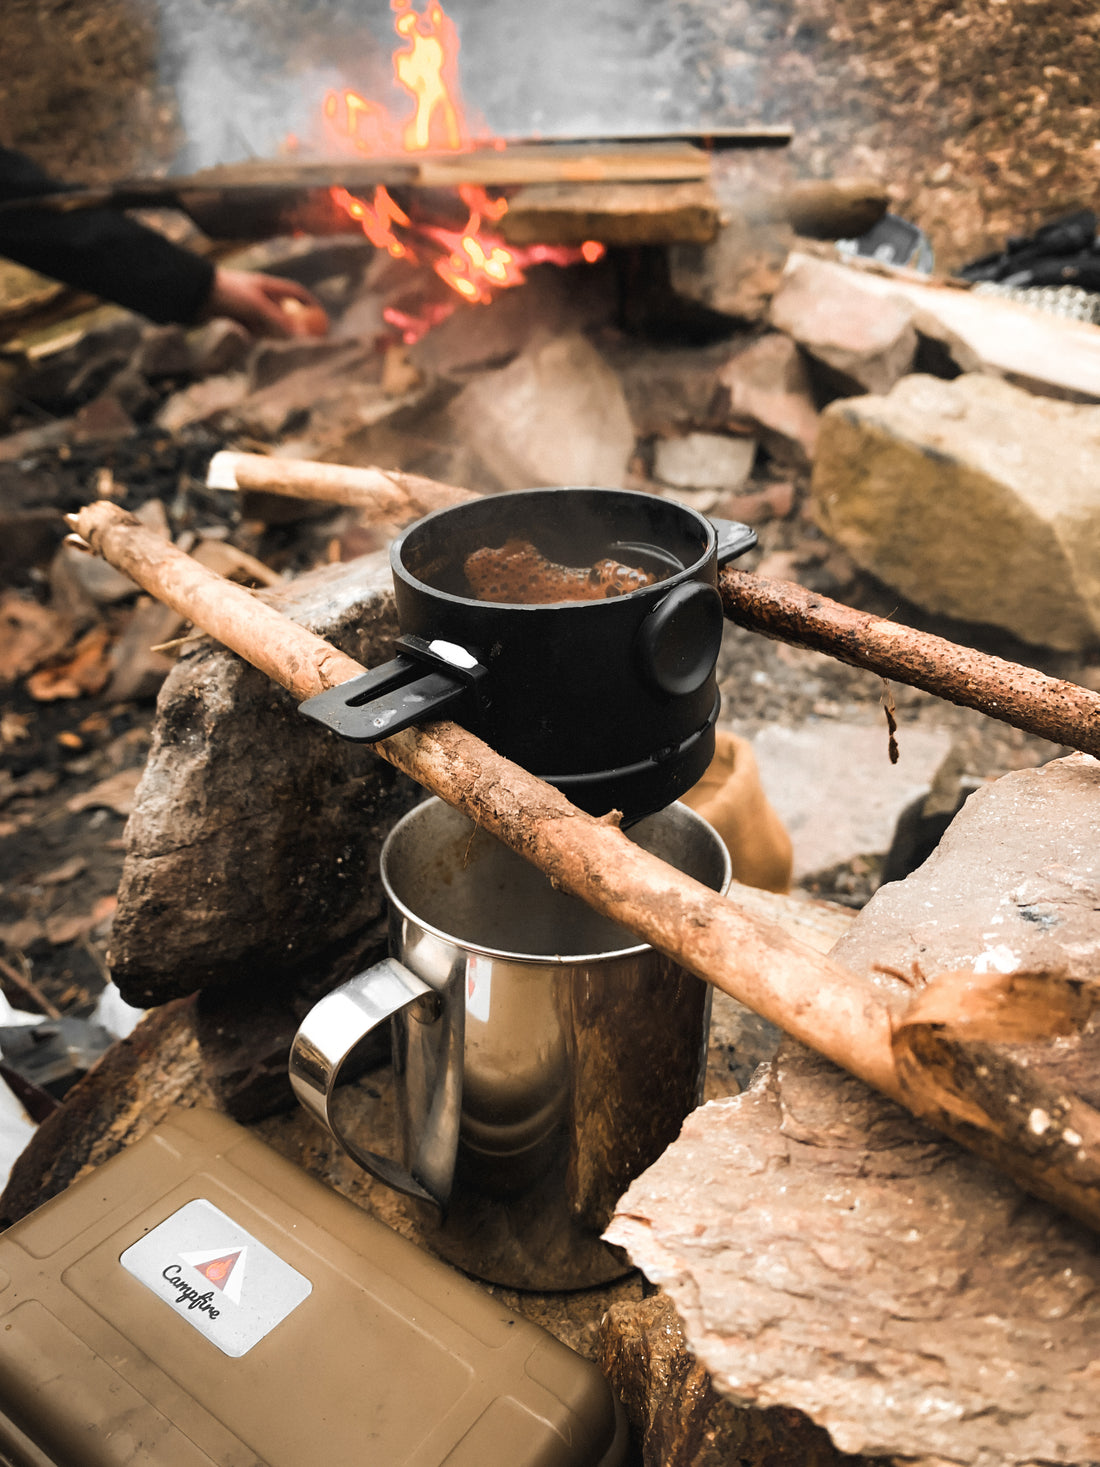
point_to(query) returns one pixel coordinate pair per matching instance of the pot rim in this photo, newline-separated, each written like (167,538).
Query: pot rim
(686,573)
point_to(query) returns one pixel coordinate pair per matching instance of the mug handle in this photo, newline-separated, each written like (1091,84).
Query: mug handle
(327,1036)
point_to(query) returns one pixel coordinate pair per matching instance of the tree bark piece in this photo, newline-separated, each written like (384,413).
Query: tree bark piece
(1049,707)
(810,997)
(388,494)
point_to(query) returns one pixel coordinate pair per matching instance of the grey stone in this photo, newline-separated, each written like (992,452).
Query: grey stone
(829,1254)
(556,415)
(163,351)
(704,461)
(206,401)
(272,361)
(973,499)
(252,849)
(1013,884)
(768,386)
(219,346)
(551,301)
(835,790)
(869,341)
(103,420)
(739,273)
(96,578)
(672,390)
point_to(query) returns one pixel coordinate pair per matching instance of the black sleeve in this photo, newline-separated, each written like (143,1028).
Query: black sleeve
(99,250)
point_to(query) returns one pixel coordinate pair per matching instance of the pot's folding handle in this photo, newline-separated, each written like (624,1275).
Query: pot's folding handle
(329,1033)
(424,681)
(734,539)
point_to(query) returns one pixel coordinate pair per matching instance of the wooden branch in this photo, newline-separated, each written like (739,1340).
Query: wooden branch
(30,989)
(303,663)
(973,1054)
(831,208)
(811,997)
(1049,707)
(388,494)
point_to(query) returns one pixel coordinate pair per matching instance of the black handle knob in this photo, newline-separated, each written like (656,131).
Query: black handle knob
(678,643)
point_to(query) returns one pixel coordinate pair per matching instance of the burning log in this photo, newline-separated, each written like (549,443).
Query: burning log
(668,157)
(812,998)
(1049,707)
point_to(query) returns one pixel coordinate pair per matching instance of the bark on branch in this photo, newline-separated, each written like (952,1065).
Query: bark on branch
(1050,707)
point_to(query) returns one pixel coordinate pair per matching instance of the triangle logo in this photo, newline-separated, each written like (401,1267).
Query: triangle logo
(224,1270)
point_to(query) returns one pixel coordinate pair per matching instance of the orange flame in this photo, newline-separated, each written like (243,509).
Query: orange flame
(473,262)
(428,70)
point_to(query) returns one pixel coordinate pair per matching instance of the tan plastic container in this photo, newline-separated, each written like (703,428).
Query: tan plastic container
(199,1300)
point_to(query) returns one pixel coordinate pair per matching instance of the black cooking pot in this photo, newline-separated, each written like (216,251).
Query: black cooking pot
(614,701)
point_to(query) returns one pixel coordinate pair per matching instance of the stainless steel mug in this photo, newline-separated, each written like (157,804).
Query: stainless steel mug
(543,1057)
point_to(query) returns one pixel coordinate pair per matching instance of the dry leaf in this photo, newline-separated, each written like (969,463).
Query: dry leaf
(29,636)
(85,673)
(115,793)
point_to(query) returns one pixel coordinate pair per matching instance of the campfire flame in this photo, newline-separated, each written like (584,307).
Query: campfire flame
(472,260)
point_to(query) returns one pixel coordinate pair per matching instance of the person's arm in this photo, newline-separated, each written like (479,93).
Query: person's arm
(104,252)
(99,250)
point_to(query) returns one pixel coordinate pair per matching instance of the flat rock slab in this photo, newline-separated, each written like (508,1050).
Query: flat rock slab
(834,788)
(972,498)
(1013,885)
(828,1252)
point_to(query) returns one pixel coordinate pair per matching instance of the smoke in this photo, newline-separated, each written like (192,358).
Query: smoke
(249,79)
(249,73)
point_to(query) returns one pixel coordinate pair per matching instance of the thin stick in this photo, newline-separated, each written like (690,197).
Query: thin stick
(1049,707)
(30,989)
(389,495)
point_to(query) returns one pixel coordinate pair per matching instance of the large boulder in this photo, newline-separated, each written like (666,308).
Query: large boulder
(828,1253)
(972,498)
(868,342)
(252,848)
(554,415)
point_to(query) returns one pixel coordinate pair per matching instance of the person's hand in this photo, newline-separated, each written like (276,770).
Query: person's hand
(266,304)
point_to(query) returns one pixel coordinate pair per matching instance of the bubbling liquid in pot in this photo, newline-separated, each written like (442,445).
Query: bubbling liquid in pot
(519,573)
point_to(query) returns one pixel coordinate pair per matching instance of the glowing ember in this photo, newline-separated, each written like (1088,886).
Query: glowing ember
(472,261)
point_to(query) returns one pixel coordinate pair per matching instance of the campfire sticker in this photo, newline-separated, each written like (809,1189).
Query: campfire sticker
(219,1278)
